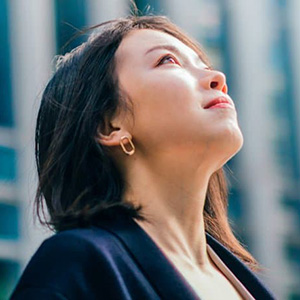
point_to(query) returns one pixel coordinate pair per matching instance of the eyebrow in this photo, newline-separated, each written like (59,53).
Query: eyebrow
(167,47)
(171,48)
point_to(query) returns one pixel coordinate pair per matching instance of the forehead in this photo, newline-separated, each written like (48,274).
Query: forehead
(139,41)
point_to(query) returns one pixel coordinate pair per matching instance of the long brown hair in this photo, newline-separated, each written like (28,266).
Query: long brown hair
(78,179)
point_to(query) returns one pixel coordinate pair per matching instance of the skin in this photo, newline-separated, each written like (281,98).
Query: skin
(179,144)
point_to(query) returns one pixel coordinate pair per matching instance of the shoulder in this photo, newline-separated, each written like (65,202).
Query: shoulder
(75,247)
(93,239)
(73,260)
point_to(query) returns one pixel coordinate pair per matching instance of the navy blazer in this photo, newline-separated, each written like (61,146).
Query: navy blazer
(115,260)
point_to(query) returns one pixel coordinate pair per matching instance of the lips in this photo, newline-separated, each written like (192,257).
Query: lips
(216,101)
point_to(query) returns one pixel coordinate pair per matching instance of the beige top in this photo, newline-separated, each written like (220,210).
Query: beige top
(231,277)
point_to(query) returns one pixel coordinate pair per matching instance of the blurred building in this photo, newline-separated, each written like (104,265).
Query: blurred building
(257,46)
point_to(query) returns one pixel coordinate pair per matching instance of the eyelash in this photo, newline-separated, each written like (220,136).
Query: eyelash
(165,57)
(176,61)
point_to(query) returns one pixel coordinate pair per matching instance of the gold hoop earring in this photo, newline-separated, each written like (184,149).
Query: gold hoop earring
(128,152)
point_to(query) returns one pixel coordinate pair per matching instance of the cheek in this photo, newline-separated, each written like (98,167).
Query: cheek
(163,108)
(167,91)
(165,104)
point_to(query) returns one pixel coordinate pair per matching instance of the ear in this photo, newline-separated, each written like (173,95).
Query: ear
(111,136)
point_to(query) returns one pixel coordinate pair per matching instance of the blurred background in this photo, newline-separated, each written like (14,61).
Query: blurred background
(255,43)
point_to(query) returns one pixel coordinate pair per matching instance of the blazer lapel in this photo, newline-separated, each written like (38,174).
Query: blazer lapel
(166,280)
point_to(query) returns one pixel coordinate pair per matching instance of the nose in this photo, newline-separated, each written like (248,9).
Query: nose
(215,80)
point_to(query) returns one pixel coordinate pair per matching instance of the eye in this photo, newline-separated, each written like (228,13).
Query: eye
(167,59)
(209,68)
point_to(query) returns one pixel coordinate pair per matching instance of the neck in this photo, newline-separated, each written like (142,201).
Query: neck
(173,198)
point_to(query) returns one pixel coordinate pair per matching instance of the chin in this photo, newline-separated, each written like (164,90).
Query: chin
(228,145)
(234,143)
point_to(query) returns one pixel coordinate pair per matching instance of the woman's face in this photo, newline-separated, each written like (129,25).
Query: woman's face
(170,86)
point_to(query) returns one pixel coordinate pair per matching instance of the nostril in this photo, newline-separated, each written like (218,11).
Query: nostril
(213,84)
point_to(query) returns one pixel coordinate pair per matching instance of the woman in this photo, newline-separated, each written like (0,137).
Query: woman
(132,133)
